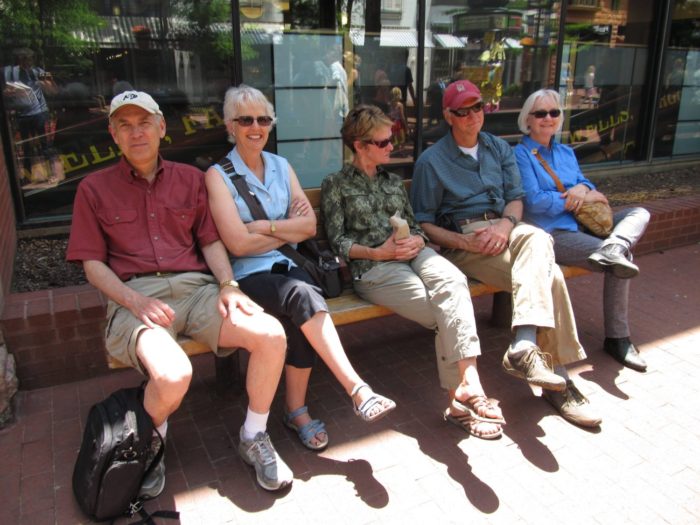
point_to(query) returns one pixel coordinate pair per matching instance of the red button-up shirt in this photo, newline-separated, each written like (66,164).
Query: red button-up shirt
(136,227)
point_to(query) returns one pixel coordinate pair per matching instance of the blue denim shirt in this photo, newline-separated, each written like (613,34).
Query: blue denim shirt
(544,205)
(448,182)
(274,196)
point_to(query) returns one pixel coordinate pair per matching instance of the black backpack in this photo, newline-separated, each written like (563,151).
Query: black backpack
(112,462)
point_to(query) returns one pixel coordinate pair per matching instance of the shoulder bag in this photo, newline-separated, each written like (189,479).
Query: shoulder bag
(596,217)
(321,264)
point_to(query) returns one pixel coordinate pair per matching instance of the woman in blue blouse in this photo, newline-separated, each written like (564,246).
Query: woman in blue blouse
(269,278)
(540,120)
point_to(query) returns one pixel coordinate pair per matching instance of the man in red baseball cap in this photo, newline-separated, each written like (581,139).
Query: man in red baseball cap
(467,195)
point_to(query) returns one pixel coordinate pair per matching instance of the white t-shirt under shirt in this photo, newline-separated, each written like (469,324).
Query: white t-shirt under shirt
(471,151)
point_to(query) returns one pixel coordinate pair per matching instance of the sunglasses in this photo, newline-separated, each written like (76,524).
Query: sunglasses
(246,121)
(541,113)
(381,144)
(463,112)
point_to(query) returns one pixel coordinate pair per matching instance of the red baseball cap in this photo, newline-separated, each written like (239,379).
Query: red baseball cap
(458,93)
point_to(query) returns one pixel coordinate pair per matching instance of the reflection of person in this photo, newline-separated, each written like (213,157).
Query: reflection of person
(25,89)
(540,119)
(589,84)
(467,196)
(403,274)
(399,125)
(143,232)
(677,74)
(271,279)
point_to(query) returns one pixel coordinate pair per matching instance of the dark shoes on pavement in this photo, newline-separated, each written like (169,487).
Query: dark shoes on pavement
(533,368)
(614,258)
(622,350)
(573,406)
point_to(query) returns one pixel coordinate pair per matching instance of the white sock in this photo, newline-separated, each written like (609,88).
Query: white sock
(254,423)
(525,338)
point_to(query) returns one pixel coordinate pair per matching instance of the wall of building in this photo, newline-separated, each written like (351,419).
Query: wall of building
(8,233)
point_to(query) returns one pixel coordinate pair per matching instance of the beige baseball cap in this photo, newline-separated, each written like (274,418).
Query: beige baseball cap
(135,98)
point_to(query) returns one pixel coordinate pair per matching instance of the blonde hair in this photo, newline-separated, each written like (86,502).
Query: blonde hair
(361,122)
(396,94)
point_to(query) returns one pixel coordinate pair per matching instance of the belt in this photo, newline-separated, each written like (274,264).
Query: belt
(486,216)
(152,274)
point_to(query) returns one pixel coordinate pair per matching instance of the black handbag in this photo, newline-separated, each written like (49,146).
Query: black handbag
(320,263)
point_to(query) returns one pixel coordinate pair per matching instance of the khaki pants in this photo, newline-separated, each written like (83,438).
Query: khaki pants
(434,293)
(540,297)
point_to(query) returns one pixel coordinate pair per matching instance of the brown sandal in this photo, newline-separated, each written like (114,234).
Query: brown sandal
(472,405)
(467,423)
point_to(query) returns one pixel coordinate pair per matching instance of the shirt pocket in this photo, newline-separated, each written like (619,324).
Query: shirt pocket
(178,224)
(121,226)
(358,210)
(393,200)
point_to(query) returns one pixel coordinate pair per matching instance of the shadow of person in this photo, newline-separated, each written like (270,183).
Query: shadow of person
(605,377)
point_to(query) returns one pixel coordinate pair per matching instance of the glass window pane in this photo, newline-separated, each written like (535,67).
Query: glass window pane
(316,60)
(678,107)
(506,48)
(604,68)
(181,52)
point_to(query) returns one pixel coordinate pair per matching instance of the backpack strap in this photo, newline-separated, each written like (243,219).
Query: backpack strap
(256,209)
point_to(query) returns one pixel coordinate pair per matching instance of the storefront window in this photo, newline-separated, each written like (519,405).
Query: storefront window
(316,60)
(678,107)
(603,77)
(506,48)
(60,78)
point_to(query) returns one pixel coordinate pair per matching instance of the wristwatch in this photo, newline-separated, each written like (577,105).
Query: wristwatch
(273,228)
(512,219)
(230,282)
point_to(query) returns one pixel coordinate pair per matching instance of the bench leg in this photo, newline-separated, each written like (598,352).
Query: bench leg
(502,310)
(228,373)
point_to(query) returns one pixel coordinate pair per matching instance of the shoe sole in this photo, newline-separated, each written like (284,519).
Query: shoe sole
(261,482)
(556,387)
(621,271)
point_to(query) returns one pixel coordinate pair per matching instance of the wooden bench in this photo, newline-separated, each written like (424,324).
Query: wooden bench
(349,308)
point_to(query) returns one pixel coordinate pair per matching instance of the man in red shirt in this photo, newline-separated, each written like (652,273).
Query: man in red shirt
(143,232)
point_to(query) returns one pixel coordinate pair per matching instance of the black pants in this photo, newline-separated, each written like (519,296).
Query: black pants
(293,298)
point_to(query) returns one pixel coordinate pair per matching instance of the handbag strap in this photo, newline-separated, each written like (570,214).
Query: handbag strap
(256,209)
(549,170)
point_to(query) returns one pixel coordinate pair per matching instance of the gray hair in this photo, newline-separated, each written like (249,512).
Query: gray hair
(530,103)
(239,97)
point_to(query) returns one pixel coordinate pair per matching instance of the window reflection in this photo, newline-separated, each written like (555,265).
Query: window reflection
(678,107)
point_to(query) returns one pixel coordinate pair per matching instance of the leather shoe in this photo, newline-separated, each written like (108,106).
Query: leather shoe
(622,350)
(614,258)
(573,406)
(532,367)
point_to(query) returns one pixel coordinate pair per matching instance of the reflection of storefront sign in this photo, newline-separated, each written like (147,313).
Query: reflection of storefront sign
(601,30)
(670,99)
(192,123)
(601,125)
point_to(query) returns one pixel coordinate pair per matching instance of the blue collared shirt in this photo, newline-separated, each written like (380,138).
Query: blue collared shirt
(274,196)
(544,205)
(448,182)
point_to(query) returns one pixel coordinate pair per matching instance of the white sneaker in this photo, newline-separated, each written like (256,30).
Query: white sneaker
(272,473)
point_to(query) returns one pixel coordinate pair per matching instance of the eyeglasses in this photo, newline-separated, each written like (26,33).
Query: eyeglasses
(381,144)
(463,112)
(541,113)
(247,120)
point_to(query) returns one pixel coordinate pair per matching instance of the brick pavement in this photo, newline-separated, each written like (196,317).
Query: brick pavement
(411,467)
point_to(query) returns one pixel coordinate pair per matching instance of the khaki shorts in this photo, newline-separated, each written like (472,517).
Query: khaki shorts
(192,295)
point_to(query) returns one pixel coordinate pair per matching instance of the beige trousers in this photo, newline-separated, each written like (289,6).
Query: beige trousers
(540,297)
(434,293)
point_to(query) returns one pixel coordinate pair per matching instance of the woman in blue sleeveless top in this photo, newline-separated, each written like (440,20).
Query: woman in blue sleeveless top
(268,277)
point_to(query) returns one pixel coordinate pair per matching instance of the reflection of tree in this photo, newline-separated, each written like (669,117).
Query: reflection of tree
(208,27)
(50,24)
